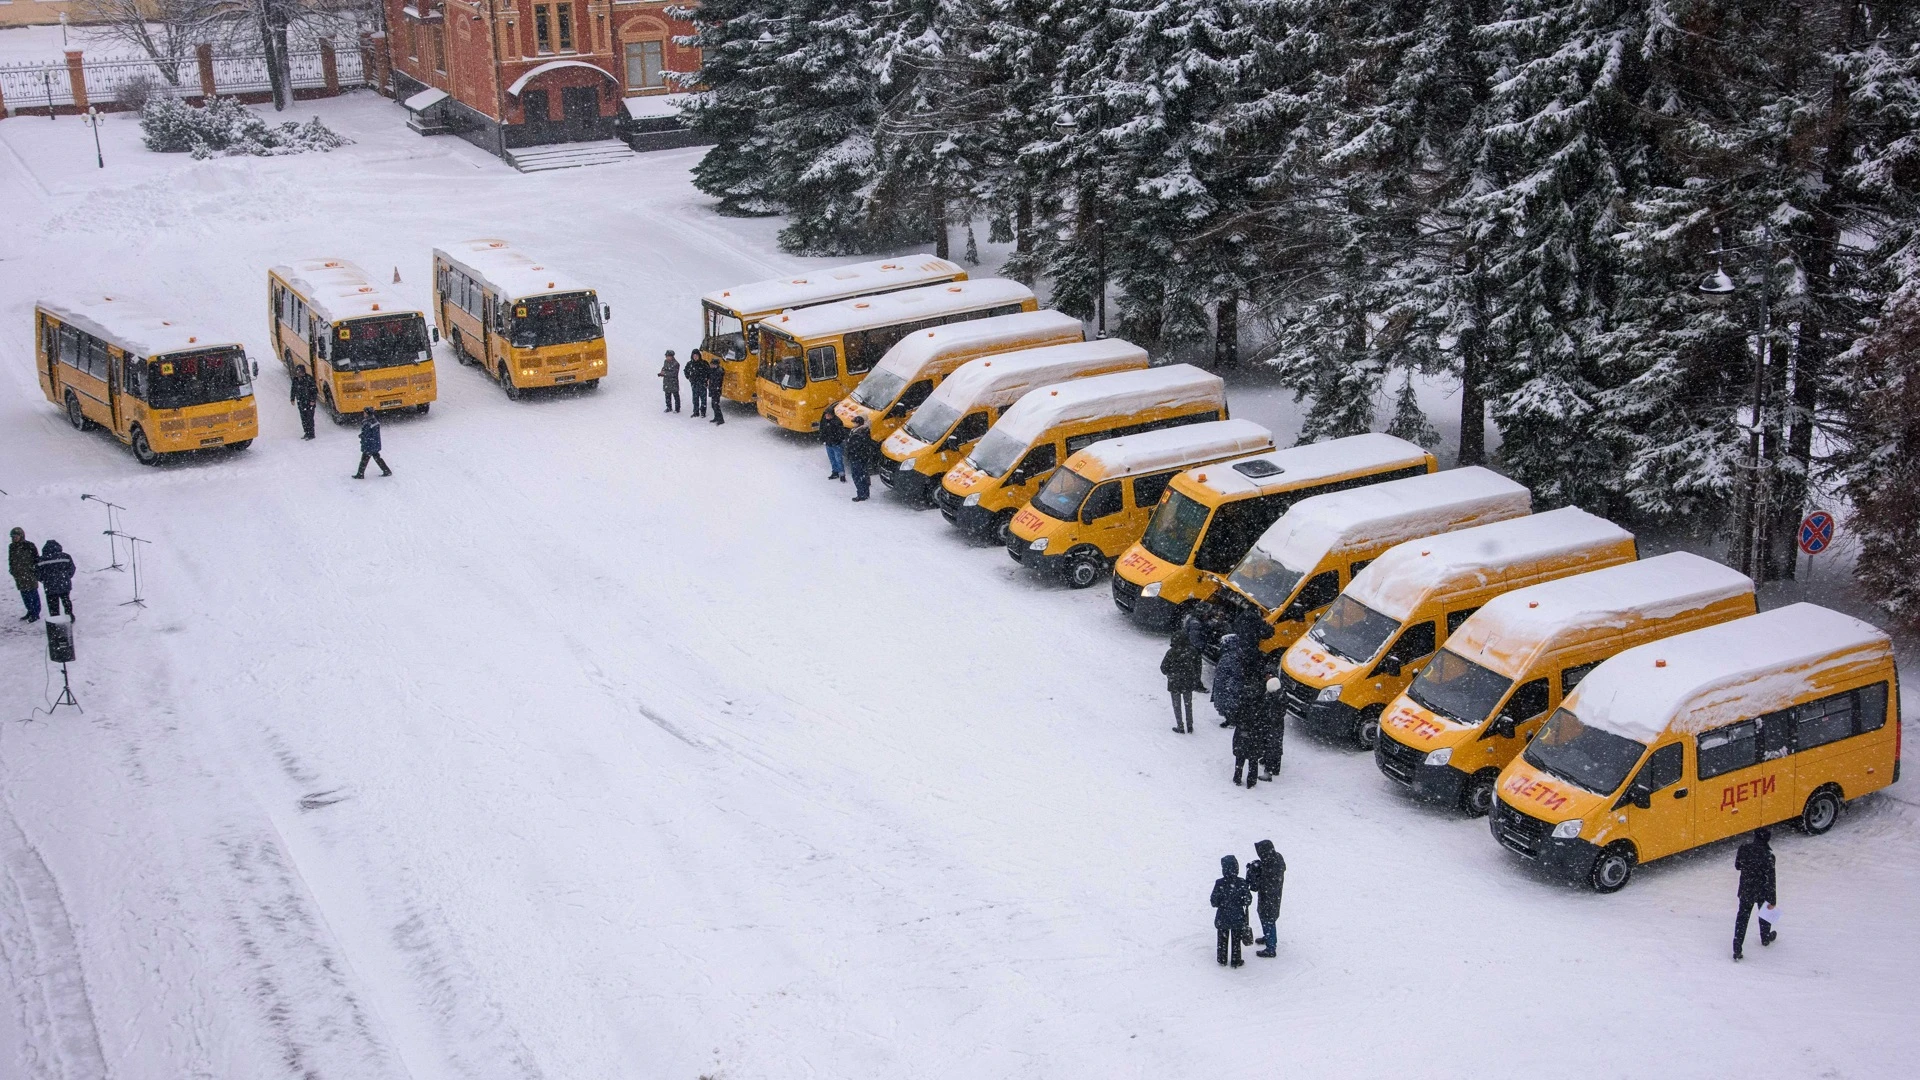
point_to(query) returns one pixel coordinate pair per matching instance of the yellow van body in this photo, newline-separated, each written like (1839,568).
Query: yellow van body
(730,317)
(158,384)
(906,377)
(1211,516)
(946,426)
(1096,505)
(1700,737)
(522,322)
(365,347)
(1370,643)
(981,494)
(1300,564)
(813,357)
(1503,672)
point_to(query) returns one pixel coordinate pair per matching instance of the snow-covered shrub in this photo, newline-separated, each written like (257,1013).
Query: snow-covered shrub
(229,129)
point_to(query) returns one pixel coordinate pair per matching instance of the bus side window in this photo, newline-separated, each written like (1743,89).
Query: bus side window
(1455,618)
(1038,460)
(1571,677)
(96,357)
(1662,770)
(1354,572)
(70,347)
(49,341)
(1320,590)
(1078,443)
(1148,489)
(137,377)
(821,364)
(1725,749)
(1235,527)
(970,428)
(1818,723)
(1415,642)
(1873,708)
(916,394)
(1104,502)
(1527,702)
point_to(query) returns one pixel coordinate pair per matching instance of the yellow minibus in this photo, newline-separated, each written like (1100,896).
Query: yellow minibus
(1397,612)
(1297,567)
(1704,736)
(520,321)
(1471,710)
(907,375)
(813,357)
(365,347)
(159,385)
(983,492)
(731,317)
(1096,505)
(946,426)
(1210,517)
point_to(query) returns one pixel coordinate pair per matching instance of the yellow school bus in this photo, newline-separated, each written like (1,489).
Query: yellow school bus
(731,317)
(981,494)
(1211,516)
(813,357)
(1782,716)
(517,319)
(1375,636)
(946,426)
(158,384)
(1472,709)
(1300,564)
(1096,505)
(365,347)
(908,374)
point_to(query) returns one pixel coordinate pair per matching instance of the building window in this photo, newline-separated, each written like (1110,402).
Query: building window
(566,27)
(645,66)
(440,47)
(411,40)
(542,28)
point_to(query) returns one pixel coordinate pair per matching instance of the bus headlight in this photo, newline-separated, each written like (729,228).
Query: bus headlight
(1440,756)
(1331,693)
(907,465)
(1567,830)
(971,500)
(1039,545)
(1151,591)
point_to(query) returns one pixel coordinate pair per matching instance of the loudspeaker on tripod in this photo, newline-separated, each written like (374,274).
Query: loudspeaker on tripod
(60,642)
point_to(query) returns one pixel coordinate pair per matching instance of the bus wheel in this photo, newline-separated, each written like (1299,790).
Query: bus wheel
(142,449)
(333,411)
(1366,730)
(590,385)
(423,407)
(74,415)
(1476,798)
(1083,568)
(1822,810)
(1001,529)
(506,383)
(241,445)
(1612,869)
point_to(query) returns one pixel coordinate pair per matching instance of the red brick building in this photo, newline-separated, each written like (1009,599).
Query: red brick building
(528,72)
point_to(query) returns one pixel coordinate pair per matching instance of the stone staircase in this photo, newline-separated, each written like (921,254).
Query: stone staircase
(568,155)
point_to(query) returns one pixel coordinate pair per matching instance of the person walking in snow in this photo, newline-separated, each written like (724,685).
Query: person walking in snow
(696,373)
(23,563)
(1273,733)
(670,381)
(833,433)
(304,395)
(1266,876)
(1754,861)
(716,382)
(55,571)
(1230,899)
(1250,736)
(370,445)
(1233,677)
(1181,666)
(863,456)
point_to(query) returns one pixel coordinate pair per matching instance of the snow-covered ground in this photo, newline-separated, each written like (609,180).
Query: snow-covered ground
(599,743)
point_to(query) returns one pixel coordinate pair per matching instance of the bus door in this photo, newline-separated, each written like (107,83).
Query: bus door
(116,382)
(487,321)
(50,352)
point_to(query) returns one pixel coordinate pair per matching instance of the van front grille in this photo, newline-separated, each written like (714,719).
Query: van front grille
(949,503)
(1397,759)
(1125,593)
(1521,832)
(1299,696)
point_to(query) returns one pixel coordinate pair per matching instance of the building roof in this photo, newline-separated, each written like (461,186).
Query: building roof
(508,269)
(888,309)
(338,290)
(1121,393)
(917,353)
(1170,448)
(133,326)
(1296,466)
(835,283)
(1381,515)
(1396,582)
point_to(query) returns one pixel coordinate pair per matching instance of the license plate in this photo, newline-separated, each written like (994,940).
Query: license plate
(215,441)
(563,378)
(389,403)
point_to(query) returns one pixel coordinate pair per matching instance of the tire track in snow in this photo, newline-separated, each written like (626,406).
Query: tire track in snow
(42,961)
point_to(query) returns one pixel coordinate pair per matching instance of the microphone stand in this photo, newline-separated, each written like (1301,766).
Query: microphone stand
(133,547)
(113,530)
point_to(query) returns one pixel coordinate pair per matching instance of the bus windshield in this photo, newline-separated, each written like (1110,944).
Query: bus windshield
(1061,497)
(932,420)
(781,361)
(879,389)
(178,380)
(539,321)
(1353,630)
(1458,689)
(997,453)
(382,341)
(1266,579)
(725,333)
(1175,528)
(1582,754)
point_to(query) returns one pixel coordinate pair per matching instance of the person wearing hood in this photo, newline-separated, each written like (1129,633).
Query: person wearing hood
(1253,734)
(1266,876)
(370,445)
(863,456)
(670,382)
(1754,861)
(304,393)
(1181,666)
(696,373)
(1230,899)
(23,562)
(1234,685)
(55,571)
(1273,734)
(716,382)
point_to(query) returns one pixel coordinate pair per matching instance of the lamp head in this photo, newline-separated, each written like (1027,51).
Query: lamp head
(1717,283)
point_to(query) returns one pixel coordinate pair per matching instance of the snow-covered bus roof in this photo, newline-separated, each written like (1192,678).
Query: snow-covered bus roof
(1122,393)
(510,272)
(889,309)
(1005,378)
(1396,582)
(1512,630)
(770,297)
(917,353)
(1169,448)
(132,326)
(1381,515)
(1299,466)
(337,290)
(1721,674)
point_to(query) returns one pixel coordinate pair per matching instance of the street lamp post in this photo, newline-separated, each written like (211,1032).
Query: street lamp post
(93,117)
(1067,123)
(1753,561)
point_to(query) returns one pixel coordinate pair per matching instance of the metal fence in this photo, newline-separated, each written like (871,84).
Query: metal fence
(38,86)
(30,86)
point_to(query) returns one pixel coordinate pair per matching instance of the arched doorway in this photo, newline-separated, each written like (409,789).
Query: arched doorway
(563,101)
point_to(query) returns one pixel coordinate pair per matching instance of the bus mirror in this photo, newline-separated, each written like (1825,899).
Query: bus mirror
(256,369)
(436,333)
(1642,799)
(606,312)
(1388,666)
(898,410)
(952,443)
(1504,727)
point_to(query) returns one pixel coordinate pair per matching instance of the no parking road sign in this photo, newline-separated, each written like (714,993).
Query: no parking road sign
(1816,532)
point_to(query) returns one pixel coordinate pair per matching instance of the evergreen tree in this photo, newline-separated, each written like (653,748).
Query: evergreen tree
(1409,422)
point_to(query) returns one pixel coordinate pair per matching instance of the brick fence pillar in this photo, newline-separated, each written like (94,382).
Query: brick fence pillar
(204,54)
(77,77)
(329,67)
(374,48)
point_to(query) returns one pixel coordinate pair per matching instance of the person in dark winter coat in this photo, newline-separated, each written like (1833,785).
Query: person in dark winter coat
(833,433)
(1181,666)
(23,563)
(1266,876)
(1230,899)
(304,395)
(670,382)
(55,571)
(1273,719)
(863,456)
(370,445)
(1251,737)
(1754,861)
(1233,677)
(696,373)
(716,382)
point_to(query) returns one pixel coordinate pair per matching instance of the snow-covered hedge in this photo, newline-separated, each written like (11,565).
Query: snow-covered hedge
(227,128)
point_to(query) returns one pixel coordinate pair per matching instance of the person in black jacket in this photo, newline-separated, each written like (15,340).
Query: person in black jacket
(1250,737)
(833,433)
(1754,861)
(716,382)
(370,445)
(863,456)
(55,571)
(1266,876)
(670,382)
(1273,735)
(696,373)
(1230,899)
(1234,675)
(303,395)
(23,564)
(1181,666)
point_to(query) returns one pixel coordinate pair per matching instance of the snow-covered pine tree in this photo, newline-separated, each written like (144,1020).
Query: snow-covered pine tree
(738,40)
(941,104)
(1409,421)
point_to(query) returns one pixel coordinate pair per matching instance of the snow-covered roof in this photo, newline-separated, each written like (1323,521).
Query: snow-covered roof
(1396,582)
(1121,393)
(425,99)
(510,271)
(1004,378)
(1381,515)
(925,352)
(655,106)
(888,309)
(338,290)
(1170,448)
(1512,629)
(1310,464)
(132,325)
(839,283)
(1728,672)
